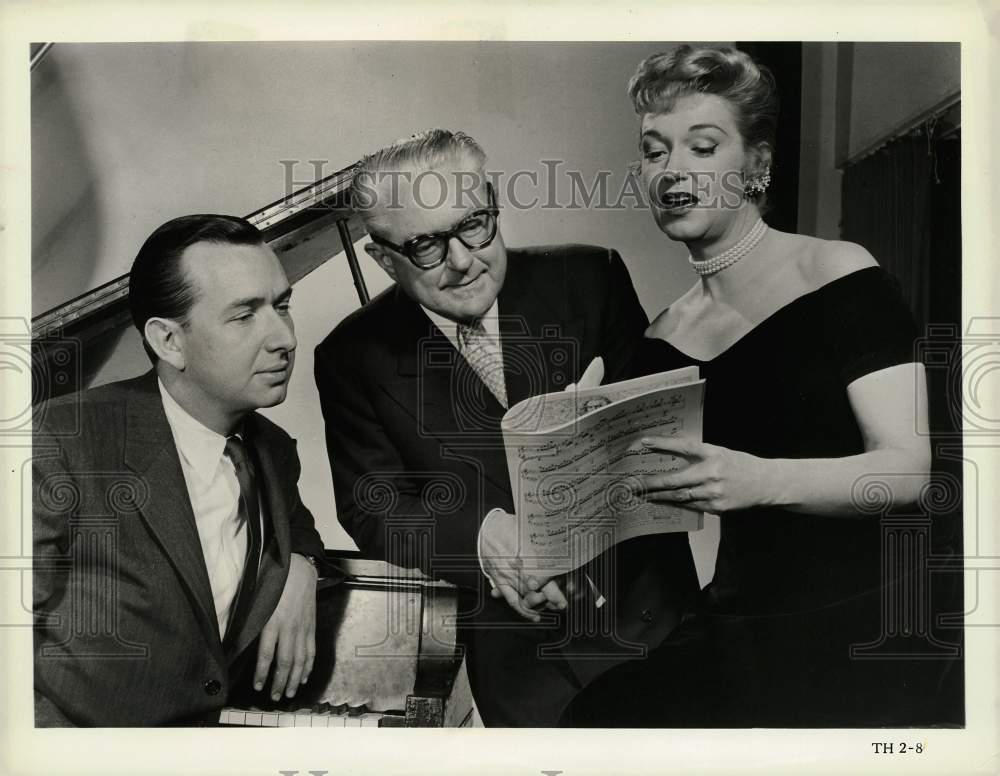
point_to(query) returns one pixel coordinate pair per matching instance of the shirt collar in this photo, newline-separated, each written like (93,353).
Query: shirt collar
(199,446)
(448,327)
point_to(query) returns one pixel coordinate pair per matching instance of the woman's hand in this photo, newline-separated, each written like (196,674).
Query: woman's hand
(716,479)
(890,406)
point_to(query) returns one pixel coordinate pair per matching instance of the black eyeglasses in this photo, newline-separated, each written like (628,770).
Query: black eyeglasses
(426,251)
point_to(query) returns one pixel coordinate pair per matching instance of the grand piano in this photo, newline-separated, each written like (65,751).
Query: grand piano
(386,657)
(386,648)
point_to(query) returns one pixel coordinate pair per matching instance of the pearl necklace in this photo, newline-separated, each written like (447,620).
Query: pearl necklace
(727,258)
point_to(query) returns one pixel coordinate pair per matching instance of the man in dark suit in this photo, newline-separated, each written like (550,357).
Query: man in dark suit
(169,537)
(413,387)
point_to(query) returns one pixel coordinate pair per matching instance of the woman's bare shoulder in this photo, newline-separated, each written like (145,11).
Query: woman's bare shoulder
(835,258)
(823,261)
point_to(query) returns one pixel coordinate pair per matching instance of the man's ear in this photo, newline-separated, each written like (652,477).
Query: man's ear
(166,337)
(384,260)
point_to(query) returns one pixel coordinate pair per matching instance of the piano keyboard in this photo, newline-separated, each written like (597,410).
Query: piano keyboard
(322,715)
(366,673)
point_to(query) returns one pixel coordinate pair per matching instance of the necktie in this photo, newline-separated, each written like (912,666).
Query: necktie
(483,355)
(248,515)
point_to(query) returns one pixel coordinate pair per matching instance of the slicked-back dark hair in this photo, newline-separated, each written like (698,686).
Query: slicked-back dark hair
(158,287)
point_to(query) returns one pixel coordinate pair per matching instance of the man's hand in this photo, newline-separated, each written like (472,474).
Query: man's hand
(292,629)
(592,376)
(498,549)
(551,594)
(498,553)
(558,593)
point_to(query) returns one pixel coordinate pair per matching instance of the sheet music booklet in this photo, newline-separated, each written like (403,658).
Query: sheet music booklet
(573,457)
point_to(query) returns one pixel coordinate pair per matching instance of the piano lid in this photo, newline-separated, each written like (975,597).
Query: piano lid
(305,229)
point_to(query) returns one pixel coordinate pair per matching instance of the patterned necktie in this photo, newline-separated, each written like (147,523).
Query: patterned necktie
(483,355)
(248,515)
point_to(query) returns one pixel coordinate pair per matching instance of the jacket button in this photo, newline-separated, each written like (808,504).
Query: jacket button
(646,616)
(212,686)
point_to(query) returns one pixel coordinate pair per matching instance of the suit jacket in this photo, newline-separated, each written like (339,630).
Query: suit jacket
(126,630)
(418,457)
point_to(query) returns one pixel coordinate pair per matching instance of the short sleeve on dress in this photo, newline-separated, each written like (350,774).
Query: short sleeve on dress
(869,325)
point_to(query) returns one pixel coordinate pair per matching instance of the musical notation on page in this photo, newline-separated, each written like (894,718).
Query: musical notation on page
(574,458)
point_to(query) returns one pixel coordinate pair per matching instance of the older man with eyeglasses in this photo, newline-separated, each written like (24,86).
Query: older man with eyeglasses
(413,387)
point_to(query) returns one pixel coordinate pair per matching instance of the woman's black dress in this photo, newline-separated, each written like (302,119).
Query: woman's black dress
(792,593)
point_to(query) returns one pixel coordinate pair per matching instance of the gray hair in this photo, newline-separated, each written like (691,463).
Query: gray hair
(423,151)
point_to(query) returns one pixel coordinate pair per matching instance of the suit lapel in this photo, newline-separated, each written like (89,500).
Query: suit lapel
(445,397)
(435,386)
(431,376)
(541,348)
(150,452)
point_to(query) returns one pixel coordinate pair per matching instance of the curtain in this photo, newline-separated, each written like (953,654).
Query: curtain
(903,203)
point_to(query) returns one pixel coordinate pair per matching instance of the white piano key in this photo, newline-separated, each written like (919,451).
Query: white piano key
(370,719)
(337,720)
(232,717)
(320,720)
(253,718)
(303,719)
(352,722)
(285,719)
(269,719)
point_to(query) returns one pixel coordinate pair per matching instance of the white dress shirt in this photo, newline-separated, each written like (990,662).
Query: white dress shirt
(214,491)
